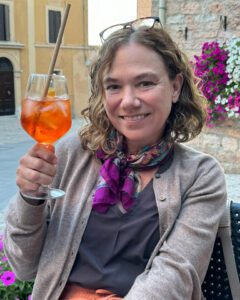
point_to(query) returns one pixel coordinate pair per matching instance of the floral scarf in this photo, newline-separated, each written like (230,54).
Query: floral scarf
(118,178)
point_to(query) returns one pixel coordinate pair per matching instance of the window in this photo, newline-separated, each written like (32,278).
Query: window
(4,23)
(57,72)
(54,22)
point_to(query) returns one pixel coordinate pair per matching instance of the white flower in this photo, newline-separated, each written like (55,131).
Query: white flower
(217,99)
(230,114)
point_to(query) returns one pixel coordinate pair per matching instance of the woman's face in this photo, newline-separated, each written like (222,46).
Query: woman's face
(139,95)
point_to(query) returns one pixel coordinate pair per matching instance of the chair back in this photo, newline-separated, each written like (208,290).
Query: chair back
(222,280)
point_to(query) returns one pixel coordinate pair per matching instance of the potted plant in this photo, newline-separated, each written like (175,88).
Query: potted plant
(10,287)
(218,70)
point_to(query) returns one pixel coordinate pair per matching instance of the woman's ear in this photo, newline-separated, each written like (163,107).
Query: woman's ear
(177,86)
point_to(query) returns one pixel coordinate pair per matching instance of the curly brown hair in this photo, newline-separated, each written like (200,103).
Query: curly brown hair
(187,115)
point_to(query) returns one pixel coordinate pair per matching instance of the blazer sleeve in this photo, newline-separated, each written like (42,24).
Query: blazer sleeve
(24,236)
(181,262)
(26,225)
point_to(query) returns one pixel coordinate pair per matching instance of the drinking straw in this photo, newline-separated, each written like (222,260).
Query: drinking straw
(56,49)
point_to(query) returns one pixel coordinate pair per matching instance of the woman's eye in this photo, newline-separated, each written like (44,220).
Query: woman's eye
(112,87)
(146,84)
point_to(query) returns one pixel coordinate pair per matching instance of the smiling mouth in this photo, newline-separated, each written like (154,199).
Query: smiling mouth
(135,118)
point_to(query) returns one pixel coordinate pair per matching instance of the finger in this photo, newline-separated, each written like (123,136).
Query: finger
(31,179)
(26,186)
(37,164)
(45,152)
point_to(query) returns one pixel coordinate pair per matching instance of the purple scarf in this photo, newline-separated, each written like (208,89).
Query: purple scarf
(118,179)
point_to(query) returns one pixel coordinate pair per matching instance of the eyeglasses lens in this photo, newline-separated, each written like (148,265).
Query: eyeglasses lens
(148,23)
(110,30)
(144,22)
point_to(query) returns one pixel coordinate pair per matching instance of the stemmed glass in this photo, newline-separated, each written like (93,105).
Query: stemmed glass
(46,116)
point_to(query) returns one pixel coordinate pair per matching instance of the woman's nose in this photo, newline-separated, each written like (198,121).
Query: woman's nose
(129,98)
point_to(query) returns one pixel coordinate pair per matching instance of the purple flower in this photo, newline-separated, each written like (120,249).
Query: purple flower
(29,297)
(8,278)
(1,245)
(4,258)
(215,70)
(210,68)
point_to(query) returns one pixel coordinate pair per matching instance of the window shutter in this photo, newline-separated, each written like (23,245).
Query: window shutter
(7,23)
(54,25)
(2,23)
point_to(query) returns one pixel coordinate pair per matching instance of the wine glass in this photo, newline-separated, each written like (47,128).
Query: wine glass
(46,116)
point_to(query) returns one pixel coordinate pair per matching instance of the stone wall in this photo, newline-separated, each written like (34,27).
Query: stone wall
(223,142)
(191,22)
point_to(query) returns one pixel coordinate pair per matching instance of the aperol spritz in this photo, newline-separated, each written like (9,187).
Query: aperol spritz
(46,115)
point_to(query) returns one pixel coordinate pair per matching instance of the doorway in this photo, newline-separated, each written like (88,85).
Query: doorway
(7,98)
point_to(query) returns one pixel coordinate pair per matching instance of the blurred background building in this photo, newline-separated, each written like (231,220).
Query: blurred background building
(28,32)
(29,28)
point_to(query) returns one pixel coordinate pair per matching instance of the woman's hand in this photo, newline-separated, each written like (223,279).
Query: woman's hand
(37,167)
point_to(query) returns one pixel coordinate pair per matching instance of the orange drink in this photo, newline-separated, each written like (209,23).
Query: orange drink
(46,120)
(46,117)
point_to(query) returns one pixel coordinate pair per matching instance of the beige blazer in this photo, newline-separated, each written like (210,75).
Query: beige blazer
(42,241)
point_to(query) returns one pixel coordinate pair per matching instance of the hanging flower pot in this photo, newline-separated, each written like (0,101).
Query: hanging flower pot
(218,68)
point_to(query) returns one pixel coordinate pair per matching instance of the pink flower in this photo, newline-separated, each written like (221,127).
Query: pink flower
(8,278)
(215,70)
(1,245)
(210,68)
(4,258)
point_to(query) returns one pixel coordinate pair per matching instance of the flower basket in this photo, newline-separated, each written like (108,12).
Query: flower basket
(218,70)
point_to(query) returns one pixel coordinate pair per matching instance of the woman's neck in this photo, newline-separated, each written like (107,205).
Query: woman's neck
(146,176)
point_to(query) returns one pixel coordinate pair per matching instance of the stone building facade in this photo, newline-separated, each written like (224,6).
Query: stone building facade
(191,22)
(26,47)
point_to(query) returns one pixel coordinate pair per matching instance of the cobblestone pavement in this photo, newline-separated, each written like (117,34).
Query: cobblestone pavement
(12,133)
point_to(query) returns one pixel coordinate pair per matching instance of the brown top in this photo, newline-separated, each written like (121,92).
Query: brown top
(116,246)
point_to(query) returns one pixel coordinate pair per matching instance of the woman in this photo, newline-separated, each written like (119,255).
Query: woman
(141,211)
